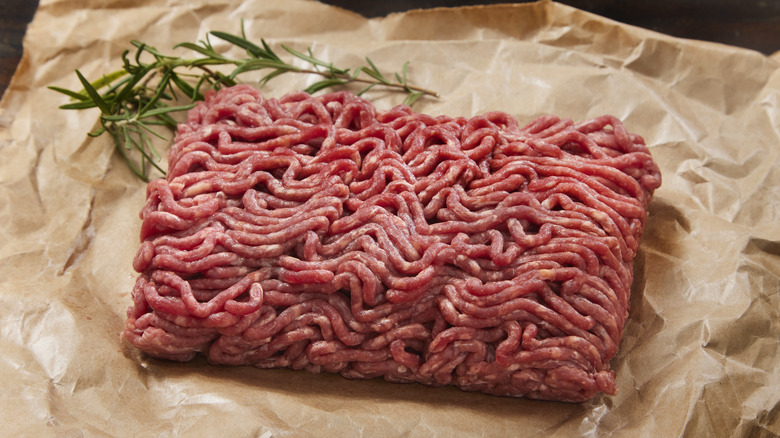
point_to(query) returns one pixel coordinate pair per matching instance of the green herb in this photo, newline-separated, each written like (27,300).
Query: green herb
(135,100)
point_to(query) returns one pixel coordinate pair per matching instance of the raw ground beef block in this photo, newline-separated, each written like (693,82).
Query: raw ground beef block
(318,233)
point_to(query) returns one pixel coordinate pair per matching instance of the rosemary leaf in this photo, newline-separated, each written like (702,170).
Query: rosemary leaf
(78,105)
(251,49)
(164,110)
(377,76)
(375,70)
(150,130)
(268,50)
(119,143)
(72,94)
(93,94)
(364,90)
(412,97)
(205,51)
(314,61)
(323,84)
(107,79)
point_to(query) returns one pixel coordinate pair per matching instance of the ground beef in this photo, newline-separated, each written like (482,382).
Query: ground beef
(318,233)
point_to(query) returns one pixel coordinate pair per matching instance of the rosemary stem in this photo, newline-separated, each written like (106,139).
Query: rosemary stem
(397,85)
(140,95)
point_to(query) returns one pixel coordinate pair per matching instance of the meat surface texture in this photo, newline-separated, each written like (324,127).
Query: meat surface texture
(319,233)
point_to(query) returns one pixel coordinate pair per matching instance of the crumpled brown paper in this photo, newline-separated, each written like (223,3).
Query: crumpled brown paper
(700,352)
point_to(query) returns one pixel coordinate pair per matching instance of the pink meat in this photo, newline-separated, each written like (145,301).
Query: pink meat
(318,233)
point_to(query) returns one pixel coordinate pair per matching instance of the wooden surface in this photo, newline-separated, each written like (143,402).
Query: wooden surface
(14,17)
(753,24)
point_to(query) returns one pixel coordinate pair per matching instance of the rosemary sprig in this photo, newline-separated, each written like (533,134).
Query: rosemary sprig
(136,99)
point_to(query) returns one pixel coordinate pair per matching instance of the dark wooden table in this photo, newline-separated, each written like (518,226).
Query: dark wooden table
(753,24)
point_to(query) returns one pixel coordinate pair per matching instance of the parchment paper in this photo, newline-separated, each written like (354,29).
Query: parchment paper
(700,352)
